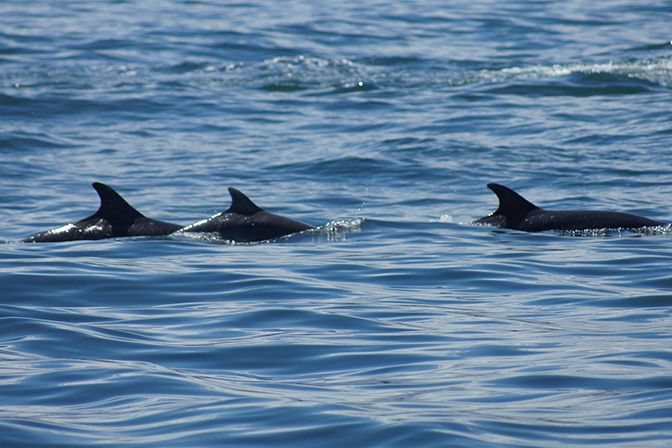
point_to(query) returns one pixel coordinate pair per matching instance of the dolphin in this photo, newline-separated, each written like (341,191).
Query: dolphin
(115,218)
(516,212)
(245,222)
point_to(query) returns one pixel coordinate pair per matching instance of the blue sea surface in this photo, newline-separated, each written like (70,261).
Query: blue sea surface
(397,323)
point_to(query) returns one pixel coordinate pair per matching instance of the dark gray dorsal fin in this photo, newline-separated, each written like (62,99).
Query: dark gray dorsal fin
(113,207)
(241,204)
(512,206)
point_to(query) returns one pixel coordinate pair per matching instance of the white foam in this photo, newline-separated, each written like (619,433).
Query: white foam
(654,70)
(342,225)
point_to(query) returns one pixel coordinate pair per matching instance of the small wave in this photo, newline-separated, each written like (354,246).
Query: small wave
(341,166)
(657,230)
(206,237)
(25,140)
(286,74)
(639,301)
(315,73)
(596,233)
(658,71)
(339,229)
(663,230)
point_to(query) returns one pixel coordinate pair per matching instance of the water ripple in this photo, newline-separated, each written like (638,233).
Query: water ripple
(396,322)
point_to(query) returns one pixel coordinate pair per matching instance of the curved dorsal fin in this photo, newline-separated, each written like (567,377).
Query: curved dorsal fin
(113,207)
(512,206)
(241,204)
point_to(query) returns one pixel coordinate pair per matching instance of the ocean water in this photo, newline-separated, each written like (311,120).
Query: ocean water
(396,324)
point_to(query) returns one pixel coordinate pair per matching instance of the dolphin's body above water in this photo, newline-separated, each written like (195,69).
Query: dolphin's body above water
(115,218)
(515,212)
(245,222)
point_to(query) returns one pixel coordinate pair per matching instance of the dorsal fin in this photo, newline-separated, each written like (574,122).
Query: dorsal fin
(512,206)
(113,207)
(241,204)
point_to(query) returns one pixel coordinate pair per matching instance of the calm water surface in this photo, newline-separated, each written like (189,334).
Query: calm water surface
(398,323)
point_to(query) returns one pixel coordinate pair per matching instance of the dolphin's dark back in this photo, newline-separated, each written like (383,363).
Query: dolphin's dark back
(245,222)
(583,220)
(114,218)
(516,212)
